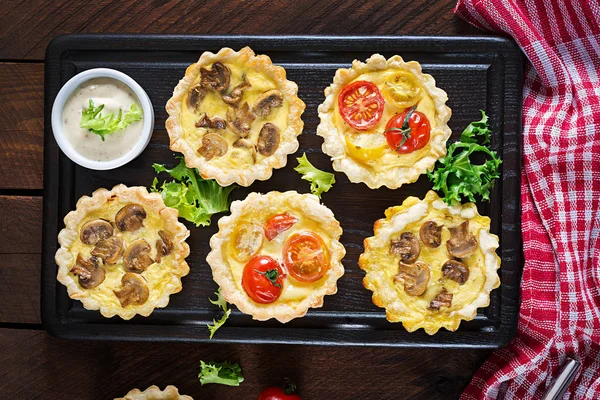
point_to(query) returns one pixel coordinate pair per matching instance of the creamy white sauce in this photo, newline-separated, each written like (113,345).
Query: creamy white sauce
(115,95)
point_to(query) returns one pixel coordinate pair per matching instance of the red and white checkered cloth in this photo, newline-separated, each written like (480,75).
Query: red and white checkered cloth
(560,292)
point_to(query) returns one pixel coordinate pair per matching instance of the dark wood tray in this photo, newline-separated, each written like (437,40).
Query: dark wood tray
(476,72)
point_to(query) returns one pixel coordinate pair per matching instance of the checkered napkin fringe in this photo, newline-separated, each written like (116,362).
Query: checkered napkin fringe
(560,292)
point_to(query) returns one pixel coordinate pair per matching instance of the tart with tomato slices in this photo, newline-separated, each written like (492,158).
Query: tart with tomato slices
(154,393)
(384,122)
(235,117)
(277,255)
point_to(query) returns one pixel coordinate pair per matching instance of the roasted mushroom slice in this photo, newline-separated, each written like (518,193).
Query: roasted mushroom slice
(461,243)
(407,247)
(415,277)
(268,139)
(134,290)
(216,78)
(442,299)
(164,245)
(90,273)
(95,230)
(267,101)
(455,270)
(109,250)
(213,146)
(195,97)
(246,144)
(236,94)
(130,218)
(240,120)
(431,234)
(137,256)
(215,123)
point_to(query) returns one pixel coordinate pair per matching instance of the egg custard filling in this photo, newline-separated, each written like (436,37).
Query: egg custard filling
(384,122)
(235,116)
(277,255)
(431,265)
(122,252)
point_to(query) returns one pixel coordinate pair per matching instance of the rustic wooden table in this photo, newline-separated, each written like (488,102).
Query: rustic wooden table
(36,366)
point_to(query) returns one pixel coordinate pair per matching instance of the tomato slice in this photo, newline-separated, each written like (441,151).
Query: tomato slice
(305,256)
(262,279)
(361,104)
(402,89)
(408,131)
(246,240)
(363,150)
(279,223)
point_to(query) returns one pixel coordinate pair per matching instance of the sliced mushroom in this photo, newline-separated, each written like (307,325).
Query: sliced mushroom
(134,290)
(431,234)
(267,101)
(213,146)
(109,250)
(407,247)
(240,120)
(216,78)
(130,218)
(415,277)
(90,273)
(455,270)
(246,144)
(461,243)
(215,123)
(95,230)
(137,256)
(268,139)
(164,245)
(195,97)
(236,94)
(442,299)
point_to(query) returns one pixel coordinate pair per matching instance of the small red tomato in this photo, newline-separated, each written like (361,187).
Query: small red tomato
(305,256)
(279,223)
(262,279)
(277,393)
(408,131)
(361,104)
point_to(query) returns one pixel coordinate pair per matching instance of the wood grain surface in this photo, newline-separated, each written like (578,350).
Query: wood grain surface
(36,366)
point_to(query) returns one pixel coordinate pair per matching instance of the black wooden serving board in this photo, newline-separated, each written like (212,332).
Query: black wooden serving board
(476,72)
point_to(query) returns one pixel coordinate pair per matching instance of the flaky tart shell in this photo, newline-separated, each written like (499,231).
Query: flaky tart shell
(289,137)
(305,205)
(153,204)
(154,393)
(386,293)
(394,176)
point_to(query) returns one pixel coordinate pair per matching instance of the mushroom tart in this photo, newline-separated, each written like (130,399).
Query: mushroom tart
(431,265)
(384,122)
(277,255)
(235,117)
(154,393)
(122,252)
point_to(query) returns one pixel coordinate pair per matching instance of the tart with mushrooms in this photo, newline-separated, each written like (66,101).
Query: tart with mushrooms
(235,117)
(431,265)
(384,122)
(154,393)
(122,252)
(277,255)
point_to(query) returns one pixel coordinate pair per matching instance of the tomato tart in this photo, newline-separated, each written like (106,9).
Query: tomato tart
(154,393)
(277,255)
(235,116)
(384,122)
(431,265)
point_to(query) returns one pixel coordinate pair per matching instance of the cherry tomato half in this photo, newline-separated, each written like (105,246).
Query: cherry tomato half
(408,131)
(277,393)
(305,256)
(361,104)
(279,223)
(262,279)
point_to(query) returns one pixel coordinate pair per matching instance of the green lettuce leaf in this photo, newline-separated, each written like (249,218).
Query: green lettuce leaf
(224,373)
(320,181)
(220,302)
(93,120)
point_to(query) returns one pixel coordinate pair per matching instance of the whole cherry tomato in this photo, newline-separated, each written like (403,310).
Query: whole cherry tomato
(305,256)
(361,104)
(408,131)
(262,279)
(277,393)
(279,223)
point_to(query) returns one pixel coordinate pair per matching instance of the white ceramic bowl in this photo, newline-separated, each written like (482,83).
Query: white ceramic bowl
(65,93)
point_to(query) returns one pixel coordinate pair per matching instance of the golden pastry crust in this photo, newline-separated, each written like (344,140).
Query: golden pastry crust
(261,170)
(162,281)
(154,393)
(392,176)
(257,208)
(413,311)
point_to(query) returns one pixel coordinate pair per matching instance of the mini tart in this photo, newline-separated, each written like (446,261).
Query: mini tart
(154,393)
(136,272)
(383,267)
(296,297)
(255,154)
(364,155)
